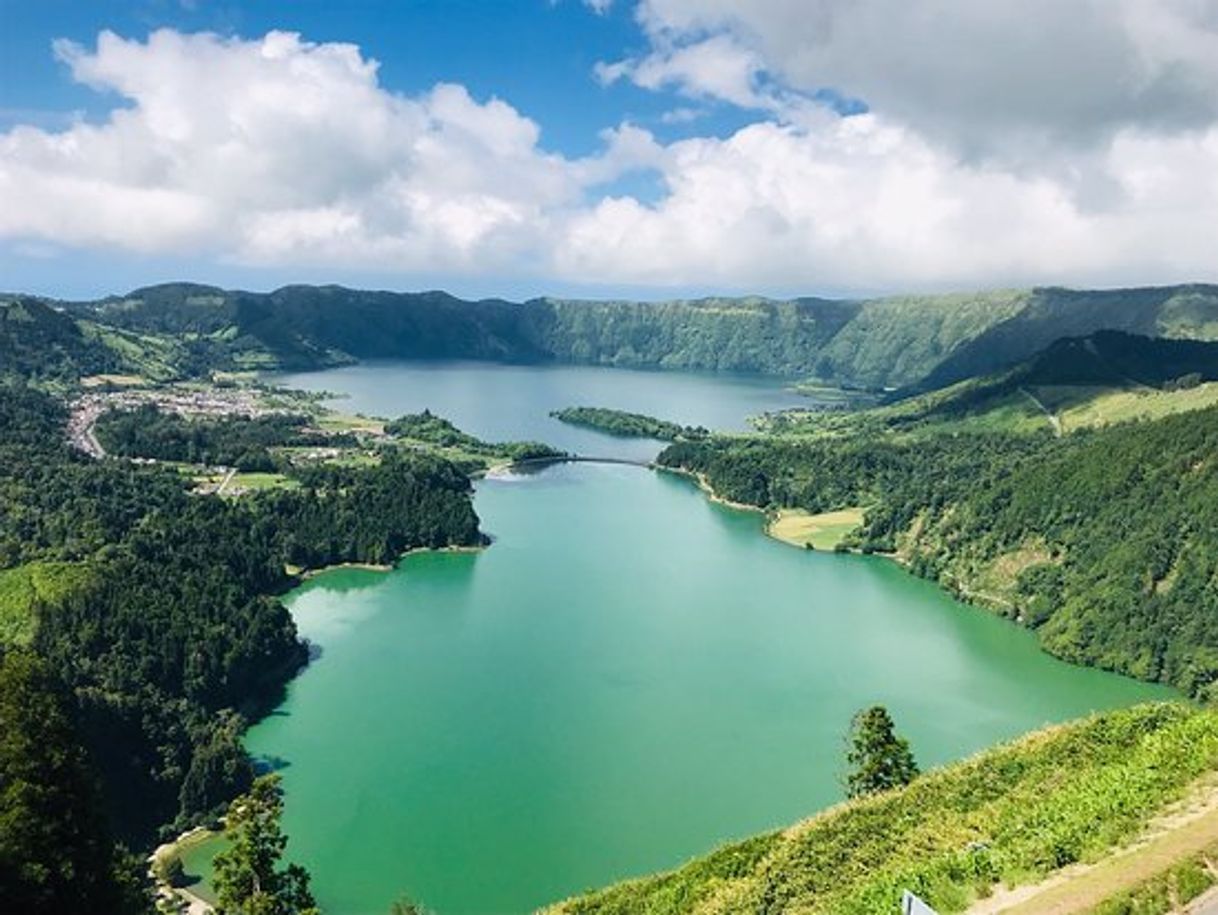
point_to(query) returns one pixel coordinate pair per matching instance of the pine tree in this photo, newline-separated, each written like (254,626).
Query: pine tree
(247,878)
(877,757)
(56,853)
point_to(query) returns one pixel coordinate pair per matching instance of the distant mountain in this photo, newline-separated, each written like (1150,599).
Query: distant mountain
(909,341)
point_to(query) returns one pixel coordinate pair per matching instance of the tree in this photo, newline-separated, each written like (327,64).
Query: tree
(877,757)
(56,854)
(247,878)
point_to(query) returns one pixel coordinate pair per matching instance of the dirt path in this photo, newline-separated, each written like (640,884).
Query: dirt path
(1184,832)
(1205,904)
(228,477)
(1053,418)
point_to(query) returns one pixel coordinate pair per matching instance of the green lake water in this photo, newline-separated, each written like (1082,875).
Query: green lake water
(629,676)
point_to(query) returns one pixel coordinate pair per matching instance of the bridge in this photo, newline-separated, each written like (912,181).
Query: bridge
(567,459)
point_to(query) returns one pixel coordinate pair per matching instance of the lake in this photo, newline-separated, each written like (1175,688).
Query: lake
(627,677)
(513,402)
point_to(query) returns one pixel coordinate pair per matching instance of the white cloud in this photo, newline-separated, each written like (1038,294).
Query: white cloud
(279,149)
(1011,79)
(716,67)
(281,152)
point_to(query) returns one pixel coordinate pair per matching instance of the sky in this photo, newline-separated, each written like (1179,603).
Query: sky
(641,148)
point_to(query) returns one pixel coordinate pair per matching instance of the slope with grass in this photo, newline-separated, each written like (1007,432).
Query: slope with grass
(1012,815)
(1076,382)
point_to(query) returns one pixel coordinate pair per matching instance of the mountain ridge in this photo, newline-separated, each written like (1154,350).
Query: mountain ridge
(917,342)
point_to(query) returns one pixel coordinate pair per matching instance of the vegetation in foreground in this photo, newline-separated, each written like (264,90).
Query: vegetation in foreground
(1010,815)
(56,851)
(248,878)
(628,425)
(1168,891)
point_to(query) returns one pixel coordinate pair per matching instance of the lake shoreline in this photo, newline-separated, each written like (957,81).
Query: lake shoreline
(771,516)
(304,575)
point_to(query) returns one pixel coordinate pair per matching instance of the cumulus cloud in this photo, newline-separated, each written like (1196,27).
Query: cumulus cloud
(279,149)
(1099,167)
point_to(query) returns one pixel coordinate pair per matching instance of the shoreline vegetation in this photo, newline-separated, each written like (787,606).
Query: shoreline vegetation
(794,527)
(309,574)
(157,603)
(623,424)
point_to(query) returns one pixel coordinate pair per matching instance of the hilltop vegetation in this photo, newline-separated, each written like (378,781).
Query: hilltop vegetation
(1012,814)
(925,341)
(44,345)
(467,451)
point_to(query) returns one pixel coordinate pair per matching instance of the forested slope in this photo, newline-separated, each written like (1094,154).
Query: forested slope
(170,634)
(1105,542)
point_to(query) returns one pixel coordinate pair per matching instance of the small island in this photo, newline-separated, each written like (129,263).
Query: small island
(628,425)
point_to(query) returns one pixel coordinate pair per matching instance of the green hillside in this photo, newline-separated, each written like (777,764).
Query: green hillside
(40,343)
(1104,542)
(1077,382)
(926,341)
(1010,815)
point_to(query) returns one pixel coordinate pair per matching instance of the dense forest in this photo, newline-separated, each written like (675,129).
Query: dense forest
(923,341)
(1105,542)
(627,425)
(45,345)
(169,636)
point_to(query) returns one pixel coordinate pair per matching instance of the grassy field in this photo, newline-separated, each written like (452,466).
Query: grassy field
(824,531)
(342,422)
(1154,878)
(23,587)
(1011,815)
(117,381)
(249,482)
(1105,407)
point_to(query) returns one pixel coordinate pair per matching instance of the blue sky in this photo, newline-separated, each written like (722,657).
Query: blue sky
(645,147)
(538,54)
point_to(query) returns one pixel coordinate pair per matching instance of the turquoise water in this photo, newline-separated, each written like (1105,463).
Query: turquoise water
(627,677)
